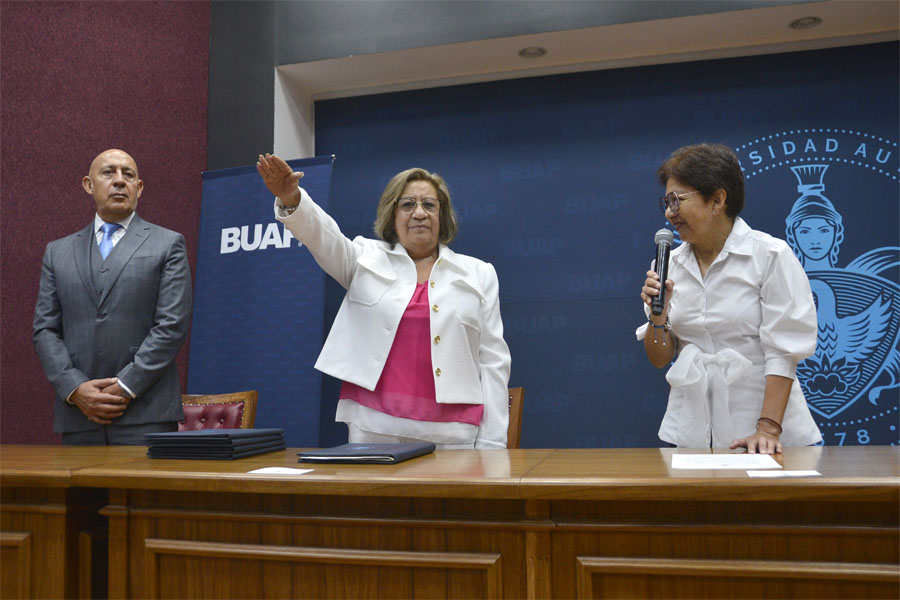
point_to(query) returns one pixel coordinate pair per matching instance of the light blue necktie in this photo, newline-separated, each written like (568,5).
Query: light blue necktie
(106,244)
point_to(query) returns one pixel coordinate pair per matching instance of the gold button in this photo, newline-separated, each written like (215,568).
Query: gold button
(434,308)
(437,371)
(432,283)
(437,339)
(440,260)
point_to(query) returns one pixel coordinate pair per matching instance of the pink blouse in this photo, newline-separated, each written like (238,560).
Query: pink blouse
(406,386)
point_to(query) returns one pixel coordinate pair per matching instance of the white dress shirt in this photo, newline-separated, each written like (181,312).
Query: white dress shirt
(753,315)
(117,234)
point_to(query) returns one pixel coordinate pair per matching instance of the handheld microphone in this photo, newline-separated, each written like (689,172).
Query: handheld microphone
(664,239)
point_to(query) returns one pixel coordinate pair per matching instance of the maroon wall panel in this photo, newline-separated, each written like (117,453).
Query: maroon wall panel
(78,78)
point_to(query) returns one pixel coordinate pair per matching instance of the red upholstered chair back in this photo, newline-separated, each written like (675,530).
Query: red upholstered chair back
(219,411)
(514,431)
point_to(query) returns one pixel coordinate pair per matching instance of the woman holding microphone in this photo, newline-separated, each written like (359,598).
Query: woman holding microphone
(738,316)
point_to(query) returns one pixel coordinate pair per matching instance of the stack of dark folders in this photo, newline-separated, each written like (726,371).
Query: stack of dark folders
(214,444)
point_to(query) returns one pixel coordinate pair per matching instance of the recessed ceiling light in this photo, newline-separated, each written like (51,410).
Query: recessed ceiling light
(805,22)
(532,52)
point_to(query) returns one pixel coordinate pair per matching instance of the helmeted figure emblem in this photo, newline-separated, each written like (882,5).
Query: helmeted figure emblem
(857,352)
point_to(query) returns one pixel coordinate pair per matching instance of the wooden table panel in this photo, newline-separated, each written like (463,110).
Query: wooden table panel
(37,499)
(517,523)
(852,473)
(447,474)
(653,578)
(419,540)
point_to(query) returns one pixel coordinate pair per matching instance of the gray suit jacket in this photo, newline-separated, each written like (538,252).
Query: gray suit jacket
(132,331)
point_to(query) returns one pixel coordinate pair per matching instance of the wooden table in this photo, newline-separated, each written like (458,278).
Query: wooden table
(46,523)
(460,524)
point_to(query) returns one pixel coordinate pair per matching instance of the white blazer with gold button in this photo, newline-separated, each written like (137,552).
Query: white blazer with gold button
(469,357)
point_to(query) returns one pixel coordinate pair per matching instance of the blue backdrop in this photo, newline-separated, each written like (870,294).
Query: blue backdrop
(258,301)
(554,181)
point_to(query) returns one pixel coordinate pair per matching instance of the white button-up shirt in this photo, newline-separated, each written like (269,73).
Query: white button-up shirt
(753,315)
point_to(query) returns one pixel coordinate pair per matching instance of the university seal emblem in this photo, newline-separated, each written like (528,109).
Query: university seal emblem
(851,382)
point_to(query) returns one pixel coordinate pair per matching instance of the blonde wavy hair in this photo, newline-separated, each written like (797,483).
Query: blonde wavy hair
(384,217)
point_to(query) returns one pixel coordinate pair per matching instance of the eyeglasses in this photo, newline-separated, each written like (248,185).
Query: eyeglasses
(672,201)
(408,204)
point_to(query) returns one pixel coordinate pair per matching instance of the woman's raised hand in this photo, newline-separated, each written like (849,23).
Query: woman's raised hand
(280,178)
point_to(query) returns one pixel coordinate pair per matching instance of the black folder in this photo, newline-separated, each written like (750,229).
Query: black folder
(367,453)
(216,444)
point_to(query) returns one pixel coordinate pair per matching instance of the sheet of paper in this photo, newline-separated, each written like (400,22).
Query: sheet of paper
(783,474)
(280,471)
(724,461)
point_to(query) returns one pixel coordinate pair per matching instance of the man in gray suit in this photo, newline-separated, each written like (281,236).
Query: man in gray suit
(112,312)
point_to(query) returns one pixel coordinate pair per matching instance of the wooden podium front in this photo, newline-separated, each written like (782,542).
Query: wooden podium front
(491,524)
(45,520)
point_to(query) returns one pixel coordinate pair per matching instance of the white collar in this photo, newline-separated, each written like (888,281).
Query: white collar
(98,222)
(737,242)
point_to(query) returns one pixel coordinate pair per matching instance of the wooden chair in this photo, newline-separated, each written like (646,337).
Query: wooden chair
(514,432)
(219,411)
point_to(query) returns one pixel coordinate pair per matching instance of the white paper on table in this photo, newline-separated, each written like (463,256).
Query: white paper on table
(724,461)
(783,473)
(280,471)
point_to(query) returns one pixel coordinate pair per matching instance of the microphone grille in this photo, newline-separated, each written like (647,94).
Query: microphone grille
(664,235)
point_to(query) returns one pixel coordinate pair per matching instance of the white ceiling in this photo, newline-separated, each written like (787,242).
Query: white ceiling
(719,35)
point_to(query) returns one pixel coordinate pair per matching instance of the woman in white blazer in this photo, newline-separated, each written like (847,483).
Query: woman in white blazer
(418,340)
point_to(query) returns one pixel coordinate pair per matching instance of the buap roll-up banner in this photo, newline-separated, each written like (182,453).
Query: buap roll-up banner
(258,301)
